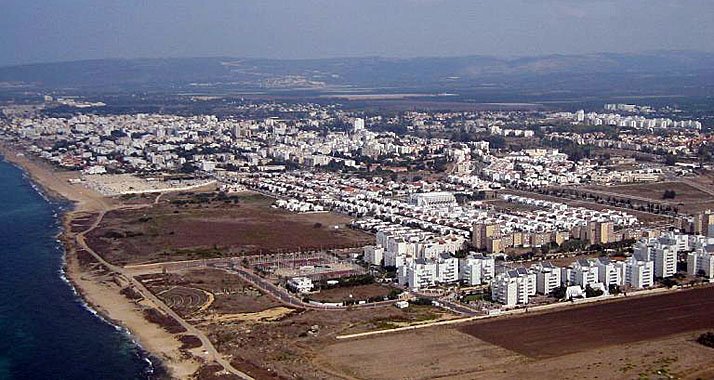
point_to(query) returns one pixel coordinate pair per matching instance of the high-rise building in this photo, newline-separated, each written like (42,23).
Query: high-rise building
(482,232)
(358,125)
(701,262)
(702,222)
(547,277)
(476,269)
(600,232)
(514,287)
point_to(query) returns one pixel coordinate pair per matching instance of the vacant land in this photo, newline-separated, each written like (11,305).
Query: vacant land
(646,338)
(448,354)
(204,226)
(640,319)
(211,291)
(354,293)
(655,191)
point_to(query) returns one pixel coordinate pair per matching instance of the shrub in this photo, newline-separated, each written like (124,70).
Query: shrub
(706,339)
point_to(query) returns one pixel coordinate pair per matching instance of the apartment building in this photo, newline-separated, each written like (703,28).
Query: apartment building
(447,269)
(701,262)
(547,277)
(484,231)
(514,287)
(433,199)
(639,274)
(662,251)
(600,232)
(609,272)
(476,269)
(582,272)
(373,254)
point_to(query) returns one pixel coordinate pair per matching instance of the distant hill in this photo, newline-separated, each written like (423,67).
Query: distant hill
(654,71)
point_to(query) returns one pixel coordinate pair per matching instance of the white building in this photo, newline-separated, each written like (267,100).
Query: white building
(373,254)
(639,274)
(476,269)
(434,199)
(609,272)
(514,287)
(662,251)
(582,272)
(701,262)
(300,284)
(419,274)
(447,269)
(547,277)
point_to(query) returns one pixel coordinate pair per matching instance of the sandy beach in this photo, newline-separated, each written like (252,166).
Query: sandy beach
(101,288)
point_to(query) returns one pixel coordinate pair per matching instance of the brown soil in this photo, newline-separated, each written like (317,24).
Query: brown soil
(357,293)
(448,354)
(170,231)
(588,327)
(231,294)
(166,321)
(654,191)
(189,342)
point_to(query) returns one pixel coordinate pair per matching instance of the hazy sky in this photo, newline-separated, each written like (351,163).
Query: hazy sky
(58,30)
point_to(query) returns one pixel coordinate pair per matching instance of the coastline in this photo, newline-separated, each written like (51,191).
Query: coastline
(99,292)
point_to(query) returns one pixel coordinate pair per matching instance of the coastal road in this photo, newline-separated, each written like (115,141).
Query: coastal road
(209,348)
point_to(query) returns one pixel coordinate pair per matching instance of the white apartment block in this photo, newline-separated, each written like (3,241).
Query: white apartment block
(514,287)
(424,273)
(701,262)
(582,272)
(662,251)
(447,269)
(665,262)
(639,274)
(547,277)
(420,274)
(476,269)
(373,254)
(504,289)
(609,272)
(434,199)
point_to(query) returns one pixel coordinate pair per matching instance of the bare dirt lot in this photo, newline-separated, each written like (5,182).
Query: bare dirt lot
(357,293)
(655,191)
(211,291)
(448,354)
(605,324)
(195,227)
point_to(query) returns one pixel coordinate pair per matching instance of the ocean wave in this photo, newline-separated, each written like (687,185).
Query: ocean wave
(60,207)
(142,353)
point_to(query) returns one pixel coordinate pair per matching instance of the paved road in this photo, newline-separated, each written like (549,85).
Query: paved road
(207,345)
(449,304)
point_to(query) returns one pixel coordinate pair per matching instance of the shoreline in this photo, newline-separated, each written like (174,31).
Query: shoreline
(100,297)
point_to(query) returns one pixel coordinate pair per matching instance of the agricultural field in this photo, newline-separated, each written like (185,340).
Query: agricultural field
(200,226)
(644,338)
(609,323)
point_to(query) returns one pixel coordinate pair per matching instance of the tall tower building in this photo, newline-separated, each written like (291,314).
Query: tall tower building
(482,232)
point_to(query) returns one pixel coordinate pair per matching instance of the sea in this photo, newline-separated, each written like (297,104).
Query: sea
(46,331)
